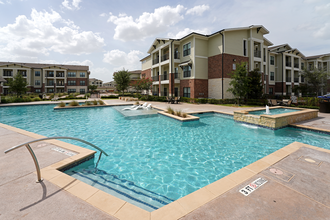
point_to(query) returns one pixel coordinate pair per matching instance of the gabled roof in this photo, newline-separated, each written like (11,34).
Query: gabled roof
(258,27)
(286,46)
(288,49)
(268,41)
(317,56)
(44,65)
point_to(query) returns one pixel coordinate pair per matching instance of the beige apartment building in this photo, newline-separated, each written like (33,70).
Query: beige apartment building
(199,66)
(47,78)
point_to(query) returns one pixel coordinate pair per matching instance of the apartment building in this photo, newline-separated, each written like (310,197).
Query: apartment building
(47,78)
(285,63)
(97,82)
(199,66)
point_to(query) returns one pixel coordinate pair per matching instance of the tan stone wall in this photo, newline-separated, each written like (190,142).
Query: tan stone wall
(273,121)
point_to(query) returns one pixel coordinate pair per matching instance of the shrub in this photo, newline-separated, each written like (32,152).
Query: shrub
(137,103)
(178,113)
(36,99)
(87,103)
(94,102)
(74,103)
(169,110)
(101,102)
(184,115)
(62,104)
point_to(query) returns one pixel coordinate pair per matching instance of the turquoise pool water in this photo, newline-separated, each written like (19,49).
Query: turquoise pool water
(157,158)
(274,111)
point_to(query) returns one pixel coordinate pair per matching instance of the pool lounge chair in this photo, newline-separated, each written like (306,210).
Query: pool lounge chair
(274,102)
(55,98)
(148,107)
(177,100)
(288,103)
(130,108)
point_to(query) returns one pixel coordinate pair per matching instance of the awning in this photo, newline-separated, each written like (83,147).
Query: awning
(186,63)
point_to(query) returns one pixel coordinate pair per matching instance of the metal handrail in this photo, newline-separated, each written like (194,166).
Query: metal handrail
(27,144)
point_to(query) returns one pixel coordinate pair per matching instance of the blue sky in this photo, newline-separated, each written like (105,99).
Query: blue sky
(109,35)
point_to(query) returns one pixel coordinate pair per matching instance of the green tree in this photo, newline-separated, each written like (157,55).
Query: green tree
(122,79)
(316,79)
(240,82)
(18,84)
(255,84)
(92,88)
(145,84)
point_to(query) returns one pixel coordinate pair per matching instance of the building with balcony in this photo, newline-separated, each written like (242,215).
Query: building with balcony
(47,78)
(97,82)
(199,66)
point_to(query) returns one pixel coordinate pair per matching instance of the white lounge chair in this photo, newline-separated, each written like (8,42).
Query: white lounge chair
(130,108)
(148,107)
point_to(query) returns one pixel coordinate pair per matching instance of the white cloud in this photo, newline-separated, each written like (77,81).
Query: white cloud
(148,24)
(1,2)
(187,31)
(73,6)
(323,32)
(120,59)
(324,9)
(198,10)
(84,63)
(102,73)
(39,35)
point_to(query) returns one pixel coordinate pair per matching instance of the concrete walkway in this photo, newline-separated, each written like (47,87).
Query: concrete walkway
(300,192)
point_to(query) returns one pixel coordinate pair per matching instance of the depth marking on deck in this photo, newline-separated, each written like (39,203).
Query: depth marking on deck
(247,190)
(63,151)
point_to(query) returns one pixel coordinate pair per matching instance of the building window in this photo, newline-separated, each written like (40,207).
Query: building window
(186,49)
(234,66)
(71,83)
(186,71)
(302,66)
(186,92)
(50,74)
(82,83)
(270,91)
(82,74)
(37,83)
(244,48)
(272,76)
(71,90)
(36,73)
(82,91)
(38,90)
(71,74)
(272,60)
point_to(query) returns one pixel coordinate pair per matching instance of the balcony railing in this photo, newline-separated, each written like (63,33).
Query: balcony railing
(165,57)
(176,76)
(177,55)
(164,93)
(59,74)
(288,79)
(155,78)
(50,84)
(257,53)
(296,79)
(164,77)
(50,75)
(155,61)
(296,65)
(288,64)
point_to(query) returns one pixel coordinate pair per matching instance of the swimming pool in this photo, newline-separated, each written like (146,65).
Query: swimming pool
(164,158)
(275,111)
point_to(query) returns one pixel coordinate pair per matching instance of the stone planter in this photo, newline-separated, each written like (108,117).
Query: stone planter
(325,107)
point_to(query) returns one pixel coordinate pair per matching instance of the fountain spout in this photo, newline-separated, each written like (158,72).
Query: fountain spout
(267,110)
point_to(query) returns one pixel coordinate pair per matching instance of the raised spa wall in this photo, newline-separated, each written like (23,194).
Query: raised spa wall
(275,121)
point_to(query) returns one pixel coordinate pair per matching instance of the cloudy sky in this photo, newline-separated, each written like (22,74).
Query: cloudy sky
(109,35)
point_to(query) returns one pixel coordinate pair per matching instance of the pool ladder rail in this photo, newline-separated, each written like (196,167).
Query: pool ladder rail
(27,144)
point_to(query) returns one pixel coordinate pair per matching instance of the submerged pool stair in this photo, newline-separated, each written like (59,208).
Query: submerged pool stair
(121,188)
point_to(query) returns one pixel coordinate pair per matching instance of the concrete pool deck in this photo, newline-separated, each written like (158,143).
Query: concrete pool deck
(304,195)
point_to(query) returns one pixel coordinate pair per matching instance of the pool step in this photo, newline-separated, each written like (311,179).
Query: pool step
(121,188)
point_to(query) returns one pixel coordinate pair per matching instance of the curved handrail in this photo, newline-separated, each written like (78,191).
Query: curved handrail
(48,138)
(27,144)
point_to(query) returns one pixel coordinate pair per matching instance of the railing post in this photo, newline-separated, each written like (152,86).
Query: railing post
(35,163)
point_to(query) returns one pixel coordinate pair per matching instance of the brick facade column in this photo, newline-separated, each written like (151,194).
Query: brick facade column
(43,87)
